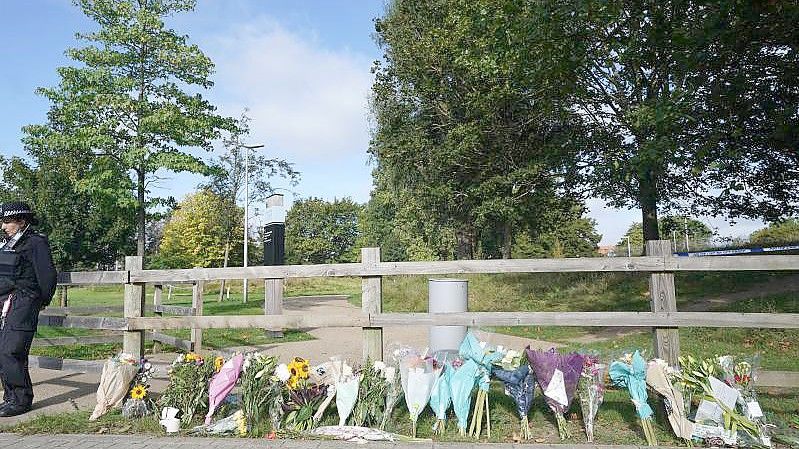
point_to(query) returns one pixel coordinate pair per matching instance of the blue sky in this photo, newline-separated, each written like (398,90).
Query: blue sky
(301,67)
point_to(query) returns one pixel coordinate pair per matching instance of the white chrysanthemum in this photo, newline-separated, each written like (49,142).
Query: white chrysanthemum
(282,372)
(379,366)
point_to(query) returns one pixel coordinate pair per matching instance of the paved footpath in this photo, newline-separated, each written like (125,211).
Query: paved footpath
(12,441)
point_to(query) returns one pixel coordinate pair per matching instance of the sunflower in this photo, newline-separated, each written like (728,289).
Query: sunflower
(138,392)
(218,362)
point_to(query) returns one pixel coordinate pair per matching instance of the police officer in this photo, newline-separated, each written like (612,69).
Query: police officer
(27,284)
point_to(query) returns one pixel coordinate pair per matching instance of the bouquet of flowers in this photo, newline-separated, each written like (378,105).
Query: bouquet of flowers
(341,384)
(418,377)
(222,383)
(462,381)
(371,398)
(661,377)
(716,417)
(393,389)
(441,396)
(719,400)
(519,382)
(558,376)
(742,376)
(258,388)
(118,373)
(484,357)
(301,398)
(630,373)
(136,406)
(592,392)
(188,386)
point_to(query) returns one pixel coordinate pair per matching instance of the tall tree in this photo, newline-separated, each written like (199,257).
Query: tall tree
(691,105)
(194,236)
(319,231)
(227,179)
(779,233)
(466,123)
(133,96)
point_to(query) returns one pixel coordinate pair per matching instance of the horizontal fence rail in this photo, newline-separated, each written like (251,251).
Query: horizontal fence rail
(597,264)
(588,319)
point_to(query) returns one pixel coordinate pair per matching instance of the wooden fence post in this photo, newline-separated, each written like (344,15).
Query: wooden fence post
(64,296)
(372,303)
(133,341)
(158,291)
(273,302)
(197,305)
(664,299)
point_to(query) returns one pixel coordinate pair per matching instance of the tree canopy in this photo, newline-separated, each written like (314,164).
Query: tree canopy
(319,231)
(133,96)
(195,234)
(467,129)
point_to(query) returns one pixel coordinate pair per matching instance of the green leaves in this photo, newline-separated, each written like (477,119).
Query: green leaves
(319,231)
(125,97)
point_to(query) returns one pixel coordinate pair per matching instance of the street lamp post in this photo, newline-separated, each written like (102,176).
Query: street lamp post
(247,149)
(629,249)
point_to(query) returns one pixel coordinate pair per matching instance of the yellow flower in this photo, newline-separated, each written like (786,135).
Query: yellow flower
(241,423)
(138,392)
(304,370)
(218,362)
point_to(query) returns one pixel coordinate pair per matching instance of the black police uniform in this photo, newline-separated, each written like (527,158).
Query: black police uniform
(28,278)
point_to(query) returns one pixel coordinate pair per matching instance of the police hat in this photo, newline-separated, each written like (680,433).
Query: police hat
(18,209)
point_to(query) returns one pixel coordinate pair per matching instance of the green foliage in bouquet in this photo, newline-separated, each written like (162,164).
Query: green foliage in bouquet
(372,392)
(188,386)
(259,390)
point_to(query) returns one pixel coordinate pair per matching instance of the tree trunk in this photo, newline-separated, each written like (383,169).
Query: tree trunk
(464,248)
(140,215)
(507,240)
(649,207)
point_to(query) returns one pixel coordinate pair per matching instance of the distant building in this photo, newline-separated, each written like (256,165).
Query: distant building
(607,250)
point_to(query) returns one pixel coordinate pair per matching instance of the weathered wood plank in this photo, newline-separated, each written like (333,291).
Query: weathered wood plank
(663,298)
(273,302)
(600,319)
(596,264)
(133,342)
(85,322)
(92,277)
(82,310)
(176,342)
(175,310)
(771,262)
(787,379)
(197,304)
(371,304)
(62,341)
(405,268)
(247,321)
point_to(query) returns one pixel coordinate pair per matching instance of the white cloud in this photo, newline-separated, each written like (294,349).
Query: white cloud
(306,101)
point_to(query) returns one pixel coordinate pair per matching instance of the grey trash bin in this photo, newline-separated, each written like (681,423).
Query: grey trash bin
(447,295)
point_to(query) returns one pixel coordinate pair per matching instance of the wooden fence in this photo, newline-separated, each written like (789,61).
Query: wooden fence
(664,317)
